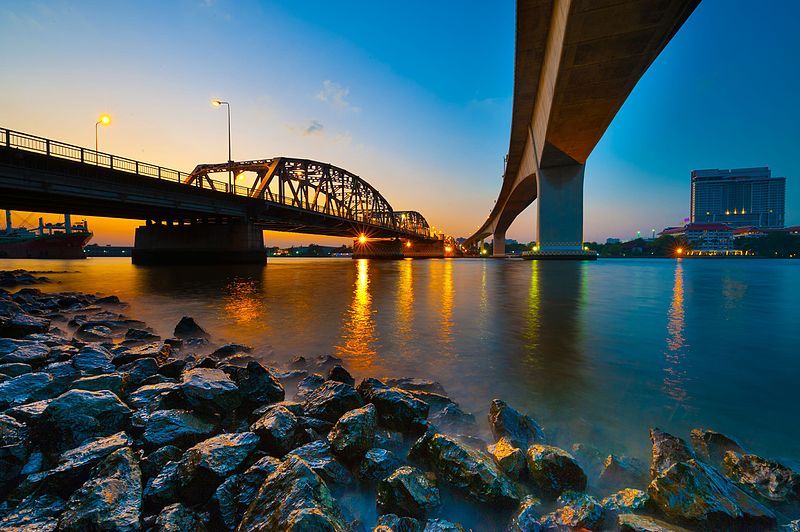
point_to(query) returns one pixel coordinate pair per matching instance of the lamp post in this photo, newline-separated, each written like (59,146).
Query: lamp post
(217,103)
(103,120)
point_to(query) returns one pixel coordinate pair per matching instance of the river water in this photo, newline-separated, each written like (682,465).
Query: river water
(596,351)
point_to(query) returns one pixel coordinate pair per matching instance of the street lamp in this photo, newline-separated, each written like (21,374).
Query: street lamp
(217,103)
(102,120)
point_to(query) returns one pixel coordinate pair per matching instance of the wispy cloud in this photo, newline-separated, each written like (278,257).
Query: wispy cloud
(336,95)
(313,128)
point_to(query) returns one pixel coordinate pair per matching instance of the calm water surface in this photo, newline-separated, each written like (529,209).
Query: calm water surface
(597,352)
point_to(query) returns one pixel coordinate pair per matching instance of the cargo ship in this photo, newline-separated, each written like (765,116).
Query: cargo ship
(50,241)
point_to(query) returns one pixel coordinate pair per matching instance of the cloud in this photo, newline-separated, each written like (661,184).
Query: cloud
(336,95)
(314,127)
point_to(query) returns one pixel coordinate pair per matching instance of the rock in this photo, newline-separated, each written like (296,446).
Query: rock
(621,471)
(521,430)
(172,368)
(257,384)
(692,492)
(293,498)
(203,467)
(138,371)
(667,450)
(177,427)
(107,300)
(23,352)
(509,458)
(388,439)
(26,388)
(407,492)
(553,471)
(162,489)
(331,400)
(465,468)
(232,497)
(395,523)
(20,325)
(15,369)
(78,416)
(377,464)
(29,413)
(229,350)
(644,523)
(397,408)
(110,500)
(323,363)
(442,525)
(452,419)
(179,518)
(576,510)
(278,430)
(37,512)
(155,461)
(526,518)
(317,455)
(770,480)
(307,385)
(298,362)
(188,328)
(627,500)
(158,351)
(63,374)
(150,395)
(711,446)
(210,390)
(415,384)
(292,406)
(339,374)
(11,431)
(89,332)
(354,433)
(141,334)
(111,382)
(12,459)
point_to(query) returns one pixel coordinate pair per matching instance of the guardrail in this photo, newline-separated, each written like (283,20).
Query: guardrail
(53,148)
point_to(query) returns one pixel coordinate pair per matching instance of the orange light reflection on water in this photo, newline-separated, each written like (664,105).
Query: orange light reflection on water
(674,373)
(358,335)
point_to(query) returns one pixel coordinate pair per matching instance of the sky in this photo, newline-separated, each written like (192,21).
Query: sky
(414,97)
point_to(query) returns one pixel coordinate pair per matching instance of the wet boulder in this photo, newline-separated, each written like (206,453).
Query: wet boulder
(89,332)
(155,350)
(110,500)
(416,384)
(407,492)
(645,523)
(442,525)
(293,498)
(111,381)
(770,480)
(452,419)
(172,367)
(232,498)
(144,335)
(23,352)
(339,374)
(694,493)
(15,369)
(20,325)
(396,523)
(278,430)
(150,396)
(138,371)
(29,413)
(626,501)
(468,469)
(377,464)
(521,430)
(526,518)
(507,457)
(711,445)
(162,489)
(177,427)
(26,388)
(179,518)
(318,456)
(156,460)
(210,390)
(188,328)
(553,471)
(78,416)
(12,431)
(621,471)
(576,511)
(397,409)
(354,433)
(12,460)
(36,512)
(256,383)
(307,385)
(331,400)
(667,450)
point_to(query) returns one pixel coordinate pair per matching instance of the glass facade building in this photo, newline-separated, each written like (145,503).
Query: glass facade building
(738,197)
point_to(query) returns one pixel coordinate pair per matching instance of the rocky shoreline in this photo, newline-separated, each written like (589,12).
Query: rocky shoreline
(106,426)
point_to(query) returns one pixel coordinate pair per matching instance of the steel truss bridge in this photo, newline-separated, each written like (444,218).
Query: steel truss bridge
(281,194)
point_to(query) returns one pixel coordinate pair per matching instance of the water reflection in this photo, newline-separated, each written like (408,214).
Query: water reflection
(405,304)
(446,314)
(358,335)
(674,373)
(243,302)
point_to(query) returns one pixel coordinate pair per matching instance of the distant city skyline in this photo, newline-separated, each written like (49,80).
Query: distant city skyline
(424,120)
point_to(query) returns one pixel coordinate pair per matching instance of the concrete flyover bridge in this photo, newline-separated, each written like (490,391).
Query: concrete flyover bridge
(576,63)
(216,213)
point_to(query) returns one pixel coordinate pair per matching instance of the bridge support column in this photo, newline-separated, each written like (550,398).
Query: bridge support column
(560,214)
(199,243)
(499,244)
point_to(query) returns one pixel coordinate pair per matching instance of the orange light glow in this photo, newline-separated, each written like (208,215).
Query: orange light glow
(679,251)
(104,119)
(362,238)
(448,249)
(408,244)
(216,103)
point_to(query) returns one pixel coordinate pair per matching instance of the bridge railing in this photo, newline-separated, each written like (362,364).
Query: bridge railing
(53,148)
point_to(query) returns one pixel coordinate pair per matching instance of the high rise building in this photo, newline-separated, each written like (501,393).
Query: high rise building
(738,197)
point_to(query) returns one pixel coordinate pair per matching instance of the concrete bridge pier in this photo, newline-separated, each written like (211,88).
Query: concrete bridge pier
(499,244)
(560,214)
(398,249)
(235,242)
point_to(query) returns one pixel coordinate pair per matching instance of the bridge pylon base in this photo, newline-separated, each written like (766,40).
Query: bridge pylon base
(199,243)
(559,255)
(398,249)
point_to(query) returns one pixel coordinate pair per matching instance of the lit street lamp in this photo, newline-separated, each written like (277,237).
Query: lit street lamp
(217,103)
(103,120)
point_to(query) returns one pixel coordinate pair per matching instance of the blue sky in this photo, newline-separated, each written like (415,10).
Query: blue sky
(414,97)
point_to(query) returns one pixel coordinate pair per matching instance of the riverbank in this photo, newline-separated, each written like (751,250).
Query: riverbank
(107,424)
